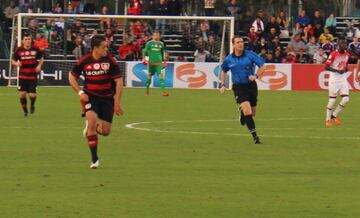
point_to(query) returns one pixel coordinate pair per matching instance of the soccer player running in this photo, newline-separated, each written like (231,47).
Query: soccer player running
(101,93)
(337,64)
(242,63)
(30,60)
(154,57)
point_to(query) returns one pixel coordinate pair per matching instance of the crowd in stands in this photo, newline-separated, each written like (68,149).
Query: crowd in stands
(311,38)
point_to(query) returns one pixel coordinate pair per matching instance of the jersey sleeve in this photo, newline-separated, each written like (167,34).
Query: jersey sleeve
(331,58)
(225,65)
(259,61)
(77,69)
(16,56)
(114,70)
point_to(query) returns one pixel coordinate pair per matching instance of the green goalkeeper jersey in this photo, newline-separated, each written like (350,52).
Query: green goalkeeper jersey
(155,50)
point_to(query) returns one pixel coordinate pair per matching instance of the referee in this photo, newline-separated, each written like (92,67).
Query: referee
(242,63)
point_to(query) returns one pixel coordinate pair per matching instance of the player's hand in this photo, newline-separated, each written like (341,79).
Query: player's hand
(145,60)
(118,110)
(38,69)
(252,77)
(18,64)
(222,89)
(84,97)
(164,64)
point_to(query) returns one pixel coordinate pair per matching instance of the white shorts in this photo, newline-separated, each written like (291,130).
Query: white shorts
(338,87)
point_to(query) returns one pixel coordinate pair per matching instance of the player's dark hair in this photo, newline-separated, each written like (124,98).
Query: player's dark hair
(26,34)
(236,37)
(96,41)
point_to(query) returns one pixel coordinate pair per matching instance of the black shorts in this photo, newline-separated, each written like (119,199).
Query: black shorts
(28,86)
(103,107)
(246,92)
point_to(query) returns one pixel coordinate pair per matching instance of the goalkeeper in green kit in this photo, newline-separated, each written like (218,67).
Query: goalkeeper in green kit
(154,57)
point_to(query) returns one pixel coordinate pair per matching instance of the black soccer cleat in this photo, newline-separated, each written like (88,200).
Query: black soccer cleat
(32,109)
(257,140)
(26,114)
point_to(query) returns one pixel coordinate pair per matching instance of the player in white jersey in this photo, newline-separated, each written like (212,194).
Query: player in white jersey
(337,64)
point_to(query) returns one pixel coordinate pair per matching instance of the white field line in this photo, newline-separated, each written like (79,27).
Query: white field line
(135,126)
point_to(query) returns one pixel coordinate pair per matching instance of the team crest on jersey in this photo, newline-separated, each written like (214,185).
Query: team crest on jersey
(96,66)
(27,53)
(105,66)
(22,53)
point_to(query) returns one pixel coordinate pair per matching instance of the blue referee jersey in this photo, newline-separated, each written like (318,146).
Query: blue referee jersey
(242,66)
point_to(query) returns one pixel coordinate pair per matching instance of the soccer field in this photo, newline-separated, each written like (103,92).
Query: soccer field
(180,156)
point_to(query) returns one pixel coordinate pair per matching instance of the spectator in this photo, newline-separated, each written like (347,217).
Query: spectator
(55,42)
(284,24)
(82,32)
(272,24)
(201,55)
(328,46)
(110,39)
(10,12)
(350,31)
(89,7)
(76,27)
(70,9)
(58,9)
(262,15)
(174,9)
(320,56)
(247,20)
(204,30)
(76,6)
(48,28)
(87,43)
(318,31)
(296,44)
(41,42)
(180,58)
(141,41)
(326,35)
(212,47)
(269,58)
(331,23)
(298,29)
(200,42)
(302,57)
(209,7)
(162,10)
(308,32)
(271,34)
(137,29)
(233,9)
(290,58)
(261,45)
(302,18)
(127,51)
(152,9)
(278,56)
(274,44)
(135,7)
(32,28)
(258,24)
(94,33)
(317,19)
(312,47)
(69,41)
(252,38)
(354,50)
(105,23)
(79,50)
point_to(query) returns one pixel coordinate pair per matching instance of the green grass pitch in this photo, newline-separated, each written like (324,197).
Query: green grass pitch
(199,163)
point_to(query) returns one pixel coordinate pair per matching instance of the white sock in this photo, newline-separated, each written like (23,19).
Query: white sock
(330,107)
(341,105)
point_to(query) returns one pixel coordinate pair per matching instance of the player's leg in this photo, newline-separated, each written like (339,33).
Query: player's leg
(105,115)
(344,93)
(32,95)
(148,81)
(333,91)
(161,72)
(22,95)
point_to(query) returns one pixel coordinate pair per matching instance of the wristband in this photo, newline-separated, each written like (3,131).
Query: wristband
(81,92)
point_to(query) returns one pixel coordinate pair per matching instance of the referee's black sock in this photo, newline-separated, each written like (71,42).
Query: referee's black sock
(251,125)
(23,103)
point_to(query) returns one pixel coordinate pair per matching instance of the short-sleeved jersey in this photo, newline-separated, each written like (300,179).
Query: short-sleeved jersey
(242,67)
(155,51)
(29,59)
(99,75)
(338,61)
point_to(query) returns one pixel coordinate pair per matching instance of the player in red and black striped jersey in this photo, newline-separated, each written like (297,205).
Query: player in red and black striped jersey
(101,93)
(30,60)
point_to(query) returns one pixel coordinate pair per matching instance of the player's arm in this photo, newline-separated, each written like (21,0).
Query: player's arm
(73,80)
(119,84)
(146,53)
(163,54)
(15,59)
(259,61)
(39,66)
(225,68)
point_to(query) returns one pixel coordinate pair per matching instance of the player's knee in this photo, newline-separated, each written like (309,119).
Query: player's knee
(345,100)
(106,132)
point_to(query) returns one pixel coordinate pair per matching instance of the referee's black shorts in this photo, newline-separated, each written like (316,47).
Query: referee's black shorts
(246,92)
